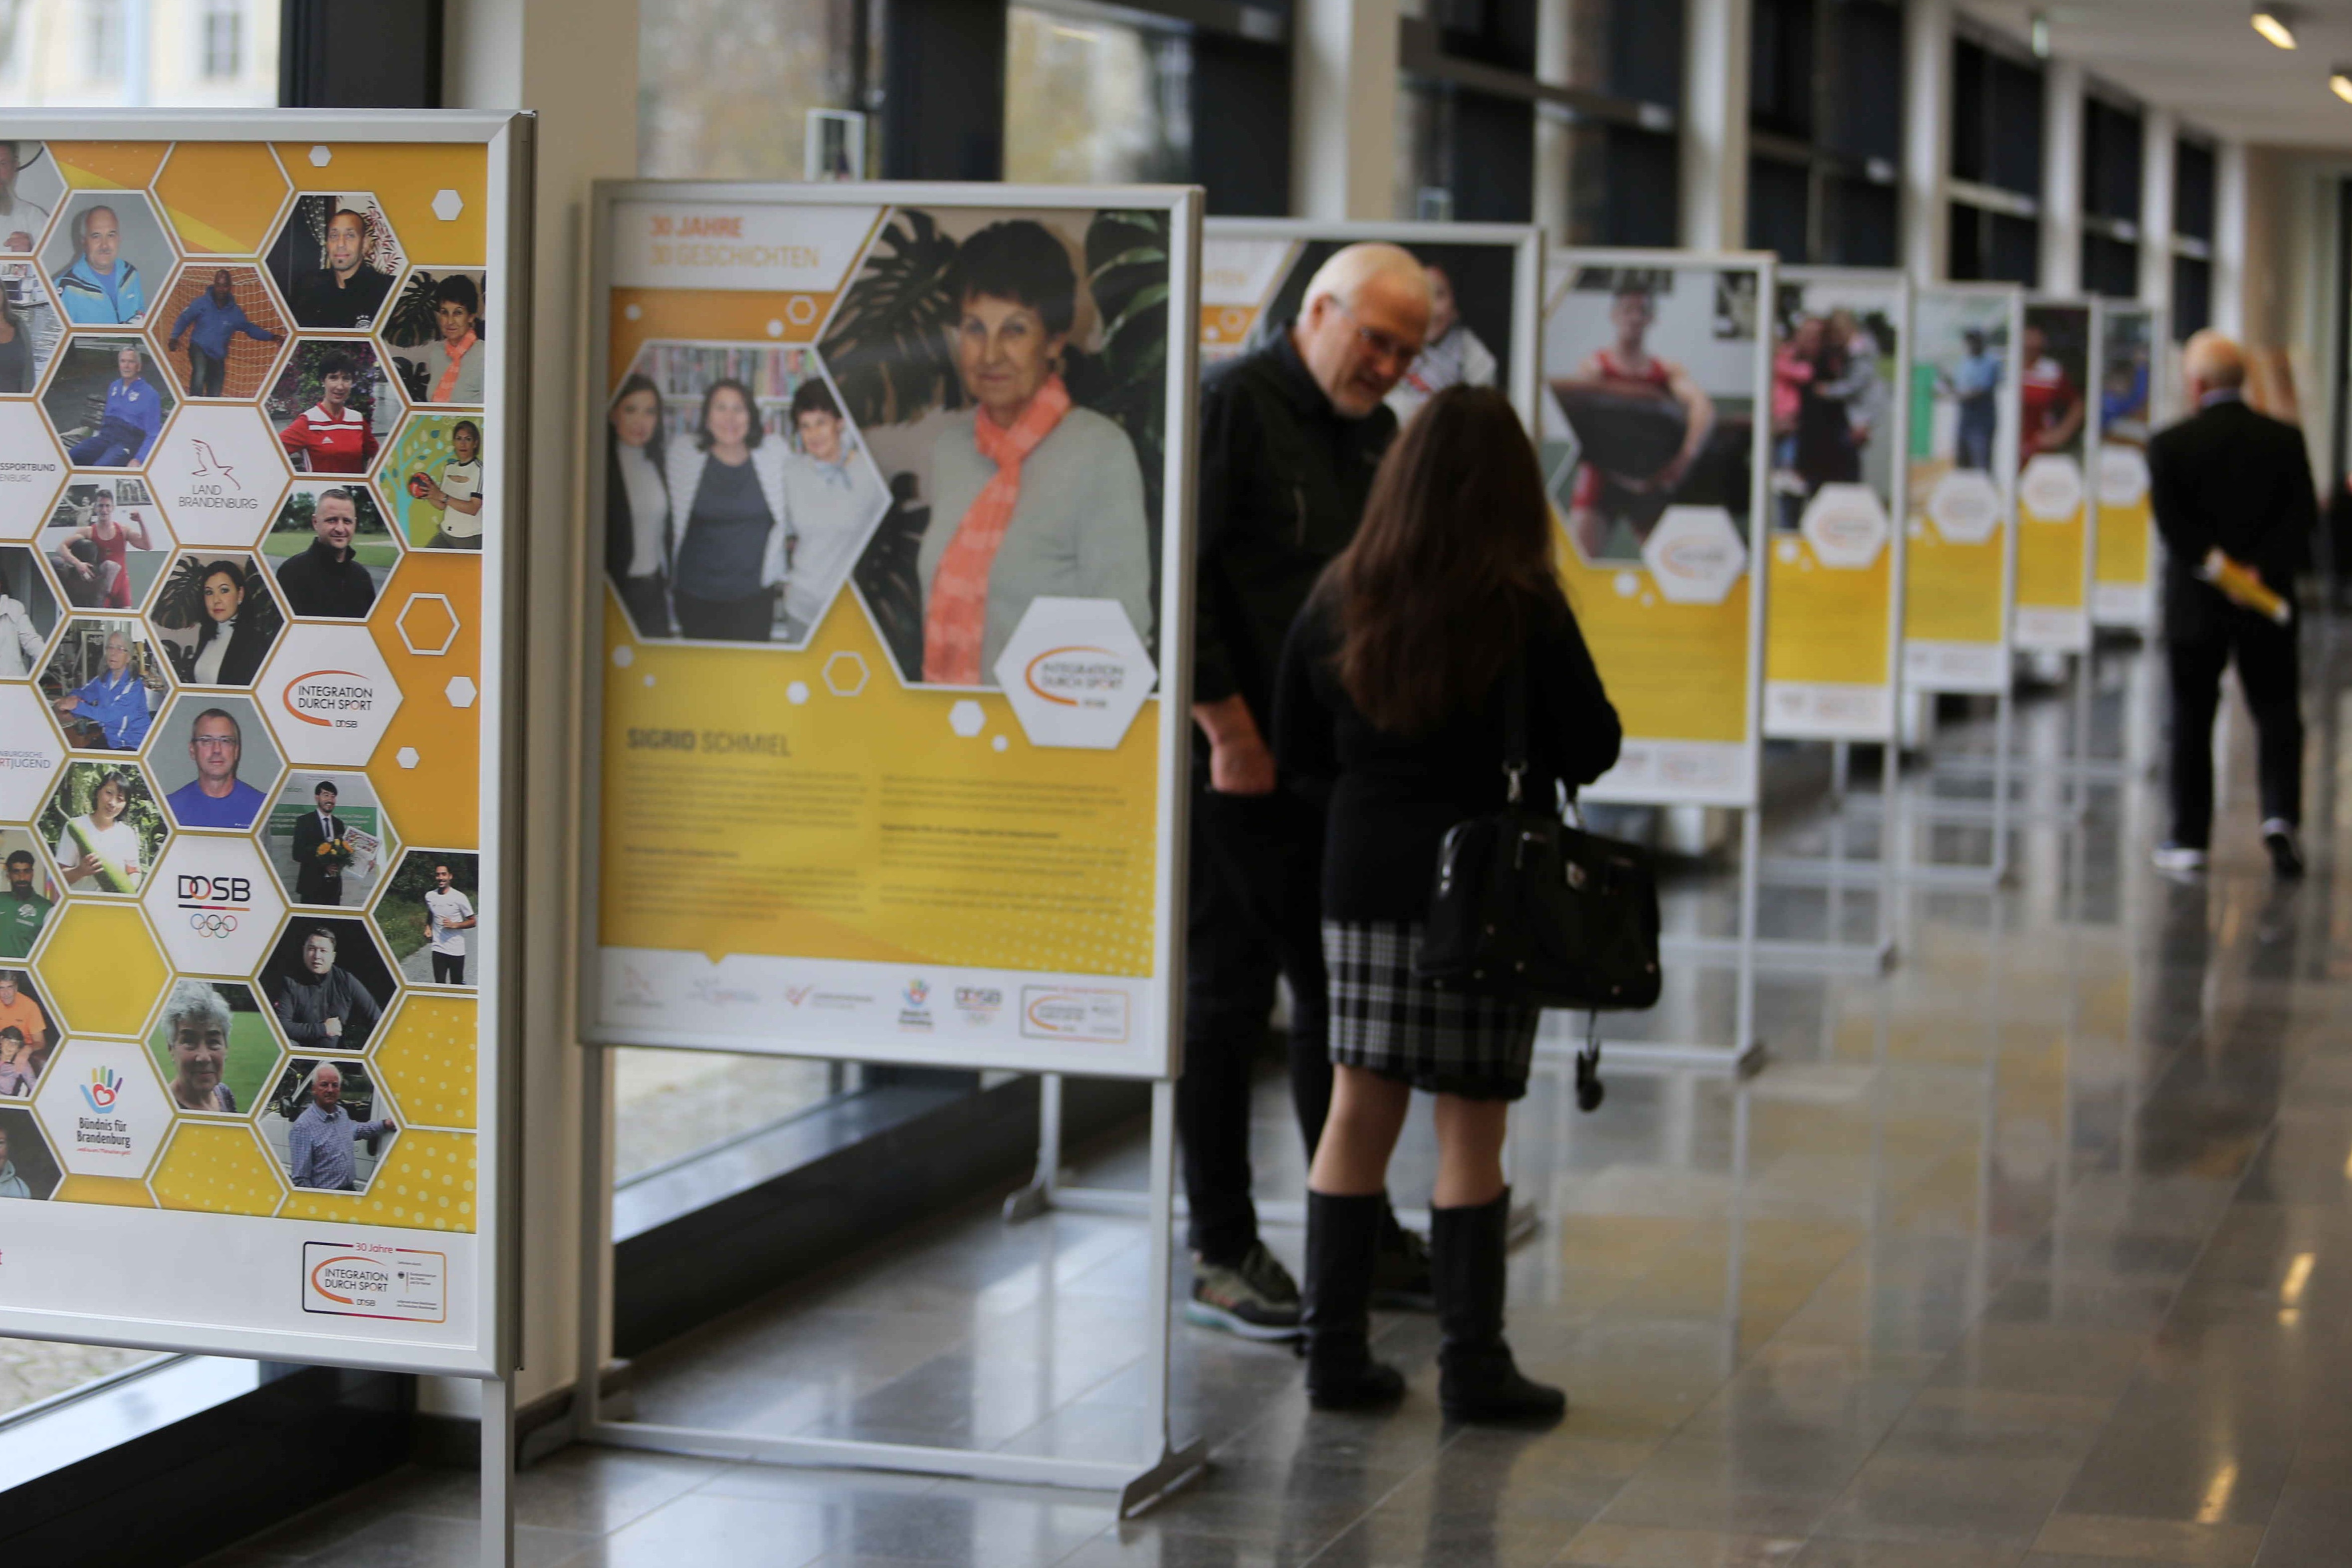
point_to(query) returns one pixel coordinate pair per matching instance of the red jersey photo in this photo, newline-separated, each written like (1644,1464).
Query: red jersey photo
(333,444)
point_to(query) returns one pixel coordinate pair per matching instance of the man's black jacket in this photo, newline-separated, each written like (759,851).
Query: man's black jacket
(1284,477)
(2229,477)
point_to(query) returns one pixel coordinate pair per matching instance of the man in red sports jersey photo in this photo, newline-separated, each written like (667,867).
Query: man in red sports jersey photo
(332,435)
(2053,404)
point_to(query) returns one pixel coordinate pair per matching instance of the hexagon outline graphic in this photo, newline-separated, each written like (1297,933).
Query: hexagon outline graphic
(219,476)
(327,694)
(1847,526)
(410,607)
(845,685)
(1965,506)
(1694,554)
(103,1094)
(269,227)
(1075,672)
(204,267)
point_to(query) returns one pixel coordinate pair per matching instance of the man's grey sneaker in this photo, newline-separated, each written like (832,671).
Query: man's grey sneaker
(2178,857)
(2287,858)
(1400,1281)
(1254,1298)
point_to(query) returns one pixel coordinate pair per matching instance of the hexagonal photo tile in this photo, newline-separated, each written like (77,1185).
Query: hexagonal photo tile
(333,406)
(109,258)
(431,919)
(329,1124)
(329,983)
(104,828)
(107,401)
(214,904)
(335,260)
(806,452)
(1075,672)
(28,892)
(106,543)
(219,472)
(432,478)
(429,1057)
(328,695)
(30,189)
(217,1046)
(28,1168)
(214,762)
(30,752)
(222,198)
(29,1034)
(217,618)
(218,1168)
(330,549)
(33,473)
(222,331)
(105,682)
(1847,526)
(435,331)
(34,325)
(327,840)
(103,1108)
(28,613)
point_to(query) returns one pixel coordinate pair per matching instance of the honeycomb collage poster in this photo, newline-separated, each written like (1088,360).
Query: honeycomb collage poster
(249,461)
(887,494)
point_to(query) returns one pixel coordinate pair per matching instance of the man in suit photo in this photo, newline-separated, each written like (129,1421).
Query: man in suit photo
(2234,501)
(317,879)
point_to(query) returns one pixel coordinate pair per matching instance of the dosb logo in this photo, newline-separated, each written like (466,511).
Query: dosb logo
(214,903)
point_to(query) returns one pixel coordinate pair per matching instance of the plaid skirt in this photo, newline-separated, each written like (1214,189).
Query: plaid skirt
(1385,1021)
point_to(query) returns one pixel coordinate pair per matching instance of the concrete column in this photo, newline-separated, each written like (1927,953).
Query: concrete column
(1927,139)
(2232,217)
(2159,137)
(2061,178)
(1715,124)
(1555,138)
(575,62)
(1344,107)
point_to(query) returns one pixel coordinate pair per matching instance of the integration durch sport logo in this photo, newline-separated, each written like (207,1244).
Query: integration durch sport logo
(324,698)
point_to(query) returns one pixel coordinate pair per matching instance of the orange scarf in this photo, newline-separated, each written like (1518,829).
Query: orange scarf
(444,390)
(956,621)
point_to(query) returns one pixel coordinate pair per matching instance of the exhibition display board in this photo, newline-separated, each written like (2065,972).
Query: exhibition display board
(2131,400)
(2058,443)
(1960,501)
(1831,662)
(1657,367)
(260,468)
(888,728)
(1485,286)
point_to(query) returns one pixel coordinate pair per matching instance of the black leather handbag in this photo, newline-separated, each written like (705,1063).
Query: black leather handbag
(1529,909)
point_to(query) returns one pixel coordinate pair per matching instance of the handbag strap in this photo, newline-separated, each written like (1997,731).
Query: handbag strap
(1515,725)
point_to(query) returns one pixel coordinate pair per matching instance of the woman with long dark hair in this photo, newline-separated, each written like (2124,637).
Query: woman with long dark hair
(730,518)
(233,638)
(636,507)
(1393,699)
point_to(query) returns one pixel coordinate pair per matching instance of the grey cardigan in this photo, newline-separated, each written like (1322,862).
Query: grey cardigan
(1078,532)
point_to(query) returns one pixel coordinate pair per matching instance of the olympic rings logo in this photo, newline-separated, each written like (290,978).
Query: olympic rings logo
(211,924)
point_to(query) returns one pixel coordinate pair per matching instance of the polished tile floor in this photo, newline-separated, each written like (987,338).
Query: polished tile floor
(2036,1253)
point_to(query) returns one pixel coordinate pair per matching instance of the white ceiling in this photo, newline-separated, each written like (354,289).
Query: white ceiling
(2203,60)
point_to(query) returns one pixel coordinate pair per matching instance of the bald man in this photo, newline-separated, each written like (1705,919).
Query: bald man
(2231,484)
(1290,434)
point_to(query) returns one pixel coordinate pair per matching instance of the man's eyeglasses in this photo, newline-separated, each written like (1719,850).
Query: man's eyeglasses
(1396,352)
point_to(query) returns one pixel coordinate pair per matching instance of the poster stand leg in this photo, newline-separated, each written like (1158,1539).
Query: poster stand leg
(497,1473)
(1835,872)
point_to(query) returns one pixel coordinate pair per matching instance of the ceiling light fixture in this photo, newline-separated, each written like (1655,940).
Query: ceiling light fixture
(2340,82)
(2038,32)
(2276,23)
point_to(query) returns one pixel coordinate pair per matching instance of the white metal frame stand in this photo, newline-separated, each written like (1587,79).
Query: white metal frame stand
(497,1472)
(1139,1485)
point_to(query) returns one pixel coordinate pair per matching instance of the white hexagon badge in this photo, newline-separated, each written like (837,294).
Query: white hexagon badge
(1965,506)
(1846,525)
(217,473)
(2123,476)
(2051,489)
(214,904)
(967,718)
(1075,672)
(103,1108)
(29,752)
(1694,554)
(328,695)
(33,473)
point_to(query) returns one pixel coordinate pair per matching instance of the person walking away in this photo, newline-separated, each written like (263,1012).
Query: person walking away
(2231,486)
(1291,435)
(1397,686)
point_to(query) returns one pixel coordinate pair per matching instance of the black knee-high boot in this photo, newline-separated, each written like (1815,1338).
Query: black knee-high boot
(1342,1235)
(1477,1380)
